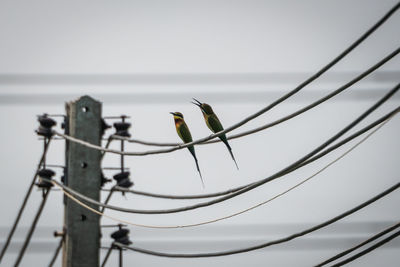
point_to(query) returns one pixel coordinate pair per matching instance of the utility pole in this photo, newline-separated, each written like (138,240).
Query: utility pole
(83,174)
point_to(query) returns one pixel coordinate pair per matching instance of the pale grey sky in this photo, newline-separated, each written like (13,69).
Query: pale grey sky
(147,58)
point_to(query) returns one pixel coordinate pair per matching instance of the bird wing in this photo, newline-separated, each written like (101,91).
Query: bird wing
(214,124)
(184,133)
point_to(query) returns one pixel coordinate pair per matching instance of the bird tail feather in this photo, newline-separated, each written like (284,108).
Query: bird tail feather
(230,151)
(191,149)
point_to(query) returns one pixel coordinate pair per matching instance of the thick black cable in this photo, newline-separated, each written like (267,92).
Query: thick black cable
(367,250)
(319,155)
(109,139)
(166,196)
(260,112)
(107,199)
(297,164)
(303,84)
(267,244)
(371,69)
(316,103)
(369,240)
(107,255)
(351,137)
(32,228)
(285,118)
(28,193)
(56,252)
(120,259)
(319,101)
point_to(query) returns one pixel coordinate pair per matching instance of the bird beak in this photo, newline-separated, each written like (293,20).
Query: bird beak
(173,113)
(197,103)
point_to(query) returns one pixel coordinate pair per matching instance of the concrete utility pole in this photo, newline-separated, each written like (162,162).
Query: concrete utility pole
(83,174)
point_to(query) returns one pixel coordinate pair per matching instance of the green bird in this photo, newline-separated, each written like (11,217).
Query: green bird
(214,124)
(183,131)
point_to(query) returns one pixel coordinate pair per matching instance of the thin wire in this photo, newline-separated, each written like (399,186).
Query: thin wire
(107,199)
(103,168)
(279,121)
(296,164)
(267,244)
(262,111)
(321,154)
(292,167)
(367,250)
(120,262)
(106,147)
(54,258)
(369,240)
(137,192)
(242,211)
(114,168)
(263,127)
(116,117)
(202,195)
(112,225)
(107,256)
(328,150)
(302,85)
(21,209)
(32,229)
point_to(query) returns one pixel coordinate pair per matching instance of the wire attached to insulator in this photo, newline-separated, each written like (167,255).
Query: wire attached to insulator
(45,130)
(270,243)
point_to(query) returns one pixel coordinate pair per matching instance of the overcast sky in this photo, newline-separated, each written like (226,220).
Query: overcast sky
(147,58)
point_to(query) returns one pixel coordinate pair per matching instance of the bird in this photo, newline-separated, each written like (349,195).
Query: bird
(184,133)
(214,124)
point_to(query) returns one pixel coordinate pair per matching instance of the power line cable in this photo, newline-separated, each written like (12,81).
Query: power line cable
(323,153)
(267,244)
(32,228)
(369,240)
(297,164)
(28,193)
(299,87)
(156,195)
(287,95)
(283,119)
(237,213)
(351,137)
(319,155)
(263,127)
(367,250)
(56,252)
(107,199)
(109,139)
(107,255)
(178,146)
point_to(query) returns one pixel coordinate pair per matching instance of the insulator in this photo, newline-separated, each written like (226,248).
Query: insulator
(46,174)
(121,129)
(121,236)
(46,124)
(123,179)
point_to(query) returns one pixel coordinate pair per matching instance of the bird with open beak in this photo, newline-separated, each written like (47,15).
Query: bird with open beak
(214,124)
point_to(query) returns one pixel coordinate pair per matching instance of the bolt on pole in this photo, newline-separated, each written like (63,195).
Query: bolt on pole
(83,174)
